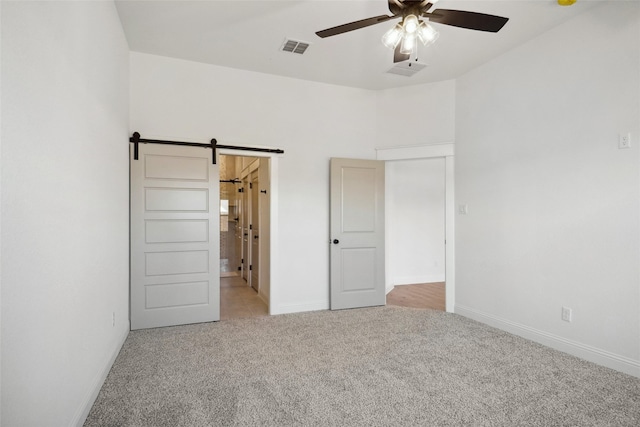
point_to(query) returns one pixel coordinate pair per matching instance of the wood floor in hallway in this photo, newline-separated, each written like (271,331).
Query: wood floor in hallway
(424,295)
(237,299)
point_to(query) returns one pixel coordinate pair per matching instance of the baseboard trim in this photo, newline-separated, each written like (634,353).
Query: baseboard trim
(83,411)
(583,351)
(299,308)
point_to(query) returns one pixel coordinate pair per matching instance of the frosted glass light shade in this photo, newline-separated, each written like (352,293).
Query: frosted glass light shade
(408,44)
(427,34)
(392,37)
(410,24)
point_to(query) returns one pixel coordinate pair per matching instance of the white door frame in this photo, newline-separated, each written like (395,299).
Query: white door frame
(273,226)
(445,151)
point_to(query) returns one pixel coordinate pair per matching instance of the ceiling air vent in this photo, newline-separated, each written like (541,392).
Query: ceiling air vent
(406,68)
(294,46)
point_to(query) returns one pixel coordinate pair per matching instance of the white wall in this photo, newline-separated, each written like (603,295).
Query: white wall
(64,206)
(312,122)
(416,115)
(553,203)
(415,221)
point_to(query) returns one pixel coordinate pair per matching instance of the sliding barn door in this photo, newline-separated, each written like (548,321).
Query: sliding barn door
(175,229)
(357,233)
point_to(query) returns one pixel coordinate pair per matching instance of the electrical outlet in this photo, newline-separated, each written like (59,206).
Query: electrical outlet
(624,140)
(113,319)
(463,209)
(566,314)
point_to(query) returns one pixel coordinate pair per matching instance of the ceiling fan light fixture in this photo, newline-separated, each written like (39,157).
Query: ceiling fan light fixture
(427,34)
(402,38)
(392,37)
(410,24)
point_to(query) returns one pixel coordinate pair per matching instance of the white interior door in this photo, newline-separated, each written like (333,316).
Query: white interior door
(175,232)
(237,266)
(254,232)
(357,233)
(245,229)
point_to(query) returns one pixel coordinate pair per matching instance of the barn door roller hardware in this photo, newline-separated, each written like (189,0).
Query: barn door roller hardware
(136,140)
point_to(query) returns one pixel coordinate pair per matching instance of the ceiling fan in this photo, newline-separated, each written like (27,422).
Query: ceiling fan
(402,38)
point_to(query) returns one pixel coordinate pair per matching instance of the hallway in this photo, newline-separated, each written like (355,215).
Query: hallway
(237,299)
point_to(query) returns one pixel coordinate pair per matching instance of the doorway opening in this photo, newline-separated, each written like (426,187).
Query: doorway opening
(244,236)
(437,151)
(416,240)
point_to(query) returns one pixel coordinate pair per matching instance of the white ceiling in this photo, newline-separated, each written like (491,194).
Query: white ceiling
(248,35)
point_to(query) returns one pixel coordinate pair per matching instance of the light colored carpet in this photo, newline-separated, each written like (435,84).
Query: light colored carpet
(367,367)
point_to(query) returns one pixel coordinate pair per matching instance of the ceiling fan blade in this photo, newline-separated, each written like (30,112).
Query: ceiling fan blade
(470,20)
(399,57)
(353,26)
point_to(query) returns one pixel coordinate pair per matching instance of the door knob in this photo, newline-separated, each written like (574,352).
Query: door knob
(336,241)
